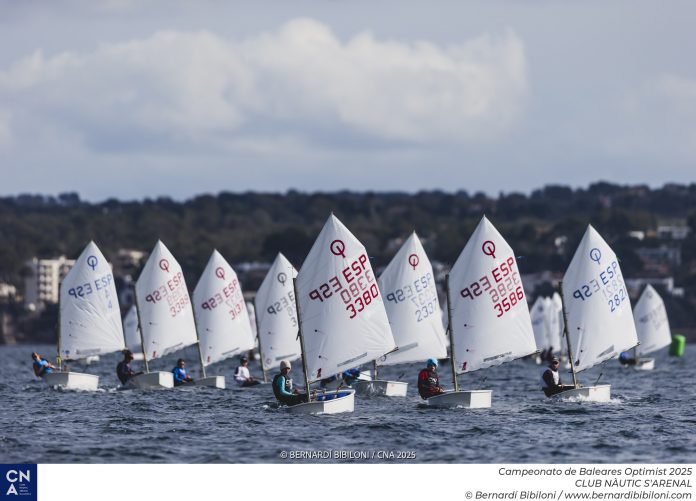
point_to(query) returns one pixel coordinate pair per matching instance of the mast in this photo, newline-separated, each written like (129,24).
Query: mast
(302,348)
(374,369)
(59,359)
(200,352)
(451,334)
(140,331)
(258,338)
(565,332)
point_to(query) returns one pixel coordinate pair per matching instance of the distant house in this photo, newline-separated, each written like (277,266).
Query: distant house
(42,280)
(635,286)
(128,261)
(660,259)
(7,292)
(673,232)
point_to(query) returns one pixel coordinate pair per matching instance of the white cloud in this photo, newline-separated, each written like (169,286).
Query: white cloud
(658,120)
(199,88)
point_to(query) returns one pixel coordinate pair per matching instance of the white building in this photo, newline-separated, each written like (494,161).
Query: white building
(674,232)
(43,278)
(7,291)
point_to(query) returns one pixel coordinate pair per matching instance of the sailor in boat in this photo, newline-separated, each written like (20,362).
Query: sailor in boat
(41,365)
(124,371)
(347,378)
(180,375)
(351,376)
(242,375)
(429,381)
(552,379)
(282,387)
(626,359)
(549,355)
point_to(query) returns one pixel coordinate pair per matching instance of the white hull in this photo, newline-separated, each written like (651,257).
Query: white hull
(644,364)
(212,381)
(92,359)
(345,402)
(468,399)
(72,381)
(600,393)
(379,388)
(152,380)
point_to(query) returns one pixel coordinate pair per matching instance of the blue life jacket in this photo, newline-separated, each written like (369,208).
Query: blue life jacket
(43,367)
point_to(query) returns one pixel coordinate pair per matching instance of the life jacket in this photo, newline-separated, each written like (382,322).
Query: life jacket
(554,374)
(288,386)
(428,380)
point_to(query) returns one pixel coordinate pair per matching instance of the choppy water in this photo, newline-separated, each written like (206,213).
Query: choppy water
(651,419)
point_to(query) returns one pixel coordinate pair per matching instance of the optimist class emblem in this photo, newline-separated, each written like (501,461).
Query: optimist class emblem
(338,248)
(488,248)
(92,262)
(282,277)
(596,255)
(164,265)
(220,273)
(413,260)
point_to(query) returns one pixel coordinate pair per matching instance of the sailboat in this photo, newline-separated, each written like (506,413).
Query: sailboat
(539,315)
(165,315)
(545,317)
(276,316)
(342,320)
(489,322)
(90,318)
(221,317)
(652,327)
(413,309)
(597,312)
(132,334)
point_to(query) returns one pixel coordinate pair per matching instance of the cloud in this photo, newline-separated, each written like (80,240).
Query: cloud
(663,109)
(177,89)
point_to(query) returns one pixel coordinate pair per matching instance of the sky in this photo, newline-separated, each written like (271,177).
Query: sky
(132,99)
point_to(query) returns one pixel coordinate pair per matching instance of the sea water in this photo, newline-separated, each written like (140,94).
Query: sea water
(651,419)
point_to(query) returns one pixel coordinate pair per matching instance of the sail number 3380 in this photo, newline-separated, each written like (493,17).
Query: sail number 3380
(355,285)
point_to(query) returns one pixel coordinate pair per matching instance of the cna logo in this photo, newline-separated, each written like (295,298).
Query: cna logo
(18,481)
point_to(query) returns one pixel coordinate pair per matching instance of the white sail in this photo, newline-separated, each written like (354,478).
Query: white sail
(600,321)
(490,316)
(554,310)
(540,324)
(344,323)
(251,313)
(166,316)
(408,288)
(221,315)
(652,325)
(90,318)
(277,316)
(131,332)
